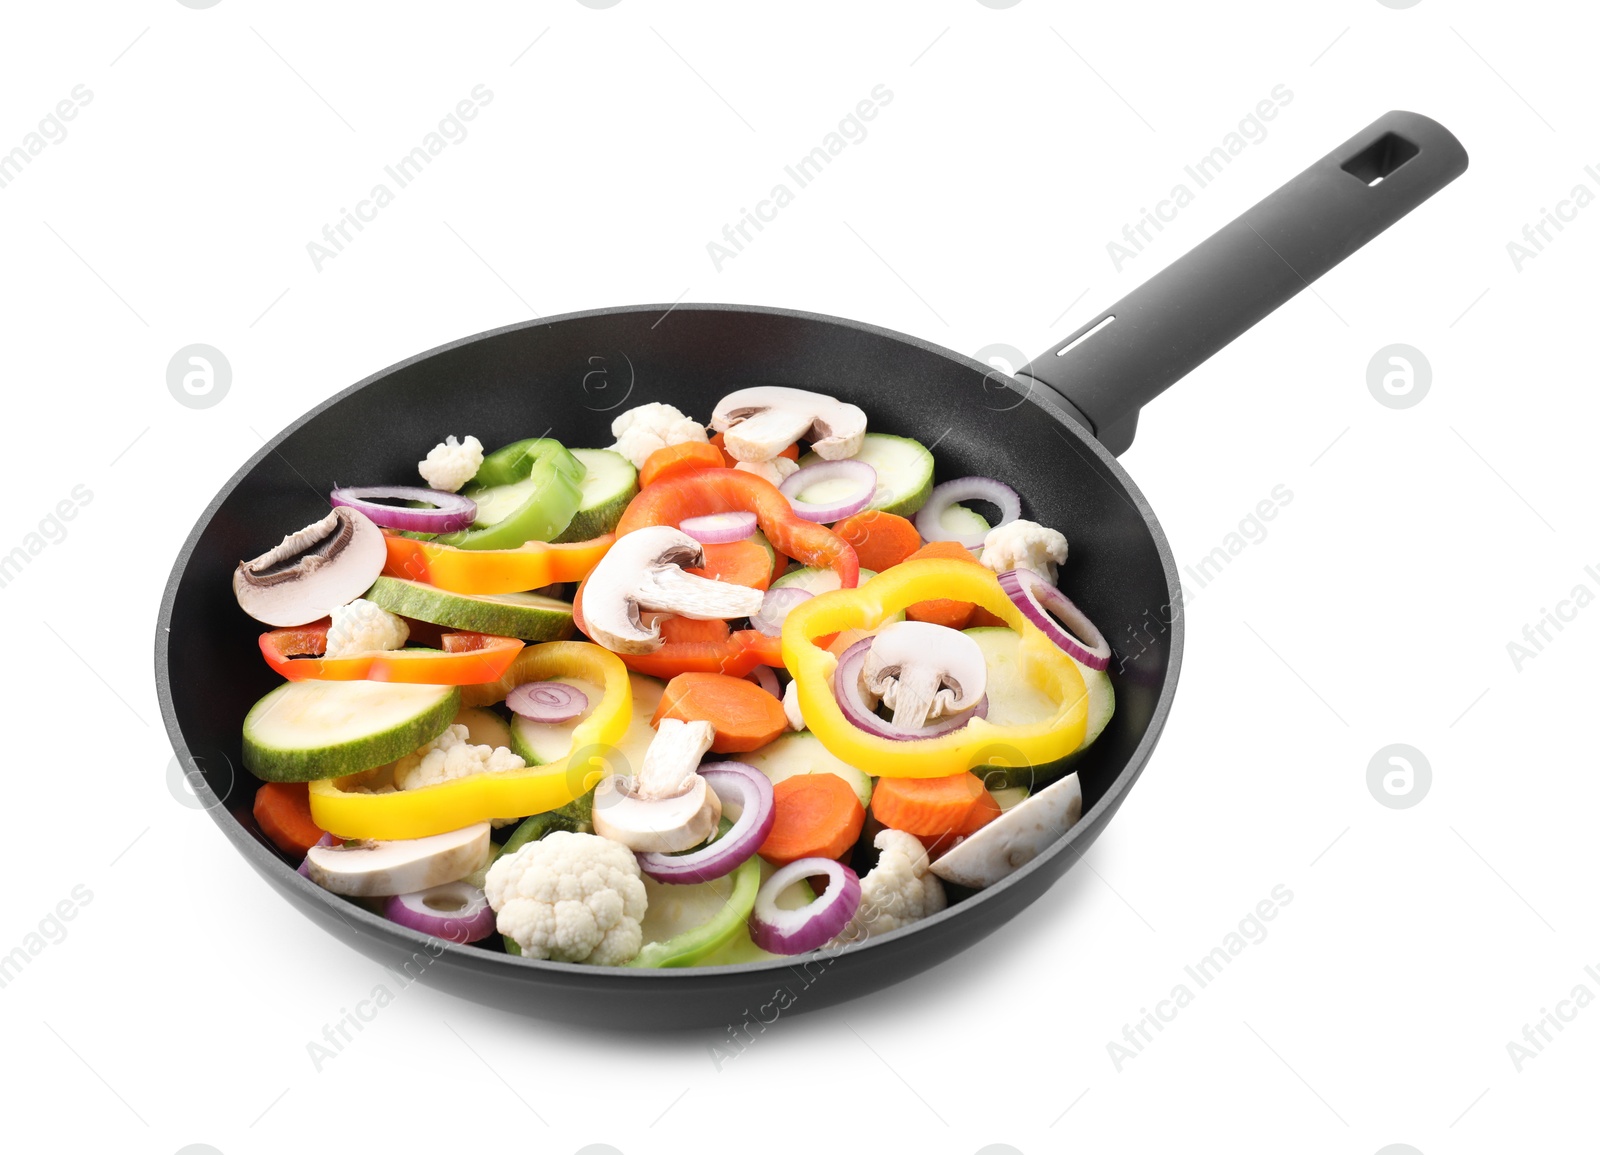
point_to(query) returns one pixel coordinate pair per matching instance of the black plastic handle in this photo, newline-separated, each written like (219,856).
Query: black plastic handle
(1207,297)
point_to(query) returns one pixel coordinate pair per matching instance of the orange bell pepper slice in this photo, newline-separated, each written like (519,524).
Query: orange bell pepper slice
(467,659)
(493,571)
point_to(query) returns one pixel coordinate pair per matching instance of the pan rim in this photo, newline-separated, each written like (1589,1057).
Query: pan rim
(470,957)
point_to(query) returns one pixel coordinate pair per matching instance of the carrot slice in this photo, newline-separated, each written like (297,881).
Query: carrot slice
(729,460)
(677,460)
(744,563)
(880,539)
(930,807)
(679,629)
(943,611)
(283,811)
(744,716)
(815,816)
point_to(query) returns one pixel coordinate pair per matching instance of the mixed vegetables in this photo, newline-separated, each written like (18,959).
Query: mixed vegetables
(797,692)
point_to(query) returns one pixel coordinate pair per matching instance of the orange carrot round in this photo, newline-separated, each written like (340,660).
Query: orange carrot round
(880,539)
(815,816)
(930,807)
(744,716)
(744,563)
(942,611)
(677,460)
(283,811)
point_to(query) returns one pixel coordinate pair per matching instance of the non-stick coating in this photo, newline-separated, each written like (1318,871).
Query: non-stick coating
(569,377)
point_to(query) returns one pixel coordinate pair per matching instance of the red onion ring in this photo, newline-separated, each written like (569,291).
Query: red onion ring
(451,511)
(720,528)
(996,493)
(455,912)
(547,701)
(733,781)
(849,469)
(847,691)
(767,680)
(796,931)
(775,606)
(1038,599)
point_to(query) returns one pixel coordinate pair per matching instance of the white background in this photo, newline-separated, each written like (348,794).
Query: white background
(1419,542)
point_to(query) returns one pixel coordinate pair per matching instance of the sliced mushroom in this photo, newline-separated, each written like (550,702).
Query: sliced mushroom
(922,672)
(667,807)
(308,573)
(644,571)
(761,422)
(1014,839)
(365,868)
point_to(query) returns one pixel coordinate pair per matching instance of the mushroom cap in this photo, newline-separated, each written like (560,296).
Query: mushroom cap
(660,825)
(366,869)
(924,671)
(644,571)
(305,576)
(760,422)
(1014,839)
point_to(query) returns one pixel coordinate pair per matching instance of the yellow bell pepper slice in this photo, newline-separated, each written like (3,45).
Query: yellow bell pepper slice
(493,571)
(1045,665)
(460,802)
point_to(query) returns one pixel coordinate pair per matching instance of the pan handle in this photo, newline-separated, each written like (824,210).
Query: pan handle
(1173,322)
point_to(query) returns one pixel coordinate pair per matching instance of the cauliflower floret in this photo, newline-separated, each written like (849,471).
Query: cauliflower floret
(451,463)
(362,626)
(774,471)
(1026,545)
(646,428)
(896,892)
(451,756)
(571,898)
(791,706)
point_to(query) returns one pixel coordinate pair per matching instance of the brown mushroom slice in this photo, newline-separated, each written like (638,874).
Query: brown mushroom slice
(366,868)
(305,576)
(667,806)
(761,422)
(644,571)
(924,671)
(1014,839)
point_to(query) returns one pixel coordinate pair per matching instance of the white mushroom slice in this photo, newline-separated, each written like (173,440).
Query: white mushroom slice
(308,573)
(644,571)
(1014,839)
(366,868)
(667,806)
(761,422)
(923,672)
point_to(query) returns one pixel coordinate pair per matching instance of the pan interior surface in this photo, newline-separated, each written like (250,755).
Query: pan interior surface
(569,378)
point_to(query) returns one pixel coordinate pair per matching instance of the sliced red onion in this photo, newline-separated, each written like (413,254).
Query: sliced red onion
(720,528)
(767,680)
(775,606)
(304,871)
(455,912)
(796,931)
(1038,600)
(854,705)
(996,493)
(733,782)
(860,473)
(451,511)
(547,701)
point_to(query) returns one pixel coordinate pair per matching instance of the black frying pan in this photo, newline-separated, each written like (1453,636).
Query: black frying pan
(1051,432)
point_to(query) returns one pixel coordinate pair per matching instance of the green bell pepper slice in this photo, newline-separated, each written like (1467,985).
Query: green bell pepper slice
(527,491)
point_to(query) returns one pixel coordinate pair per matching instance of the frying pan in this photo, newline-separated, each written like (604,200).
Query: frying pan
(1051,431)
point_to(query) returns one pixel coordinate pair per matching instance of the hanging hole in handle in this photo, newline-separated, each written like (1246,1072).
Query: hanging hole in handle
(1379,160)
(1085,335)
